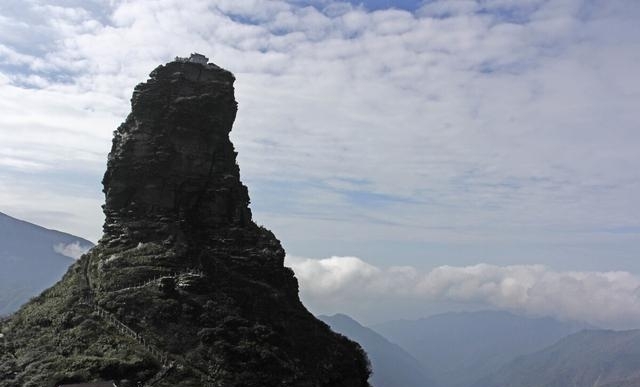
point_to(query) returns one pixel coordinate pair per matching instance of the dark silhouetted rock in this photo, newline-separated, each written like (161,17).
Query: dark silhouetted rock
(184,289)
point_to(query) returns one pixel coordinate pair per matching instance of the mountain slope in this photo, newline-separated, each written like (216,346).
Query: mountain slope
(392,366)
(588,358)
(32,258)
(459,348)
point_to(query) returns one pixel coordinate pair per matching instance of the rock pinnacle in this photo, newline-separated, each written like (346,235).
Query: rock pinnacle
(183,289)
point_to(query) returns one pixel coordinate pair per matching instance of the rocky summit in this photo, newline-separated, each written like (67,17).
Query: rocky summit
(183,289)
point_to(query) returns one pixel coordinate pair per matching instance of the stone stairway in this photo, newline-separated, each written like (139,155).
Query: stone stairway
(168,362)
(122,328)
(160,375)
(157,279)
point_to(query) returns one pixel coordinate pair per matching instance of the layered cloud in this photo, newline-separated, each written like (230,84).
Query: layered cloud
(488,122)
(608,299)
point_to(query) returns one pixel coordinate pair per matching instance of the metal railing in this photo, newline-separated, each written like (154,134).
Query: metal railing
(167,360)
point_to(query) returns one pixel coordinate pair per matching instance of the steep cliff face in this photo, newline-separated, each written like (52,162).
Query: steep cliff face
(172,169)
(184,288)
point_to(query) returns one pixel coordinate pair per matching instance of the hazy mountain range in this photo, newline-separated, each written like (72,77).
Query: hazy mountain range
(589,358)
(32,258)
(392,366)
(457,349)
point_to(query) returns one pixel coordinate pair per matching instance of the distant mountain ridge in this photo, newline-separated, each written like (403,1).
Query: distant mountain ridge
(392,366)
(457,349)
(32,258)
(599,358)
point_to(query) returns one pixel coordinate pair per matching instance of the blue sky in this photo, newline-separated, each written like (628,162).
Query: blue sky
(399,133)
(371,5)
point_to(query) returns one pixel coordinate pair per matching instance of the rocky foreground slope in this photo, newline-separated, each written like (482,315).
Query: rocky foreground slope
(184,289)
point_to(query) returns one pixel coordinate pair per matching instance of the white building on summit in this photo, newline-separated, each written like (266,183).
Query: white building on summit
(194,58)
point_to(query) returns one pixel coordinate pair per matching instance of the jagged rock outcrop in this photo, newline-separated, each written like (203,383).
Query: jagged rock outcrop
(184,289)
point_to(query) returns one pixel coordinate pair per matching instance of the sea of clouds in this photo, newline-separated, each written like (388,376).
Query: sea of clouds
(348,284)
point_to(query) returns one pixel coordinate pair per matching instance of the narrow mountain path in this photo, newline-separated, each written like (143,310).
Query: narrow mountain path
(157,279)
(168,362)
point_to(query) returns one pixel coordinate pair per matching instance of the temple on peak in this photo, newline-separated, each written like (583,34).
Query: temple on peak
(194,58)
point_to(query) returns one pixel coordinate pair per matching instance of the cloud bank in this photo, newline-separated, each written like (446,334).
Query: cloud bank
(607,299)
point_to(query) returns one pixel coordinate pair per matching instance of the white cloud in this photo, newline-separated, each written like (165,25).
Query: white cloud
(609,299)
(72,250)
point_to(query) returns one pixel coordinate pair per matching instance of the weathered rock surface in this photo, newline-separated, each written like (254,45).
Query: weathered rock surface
(184,289)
